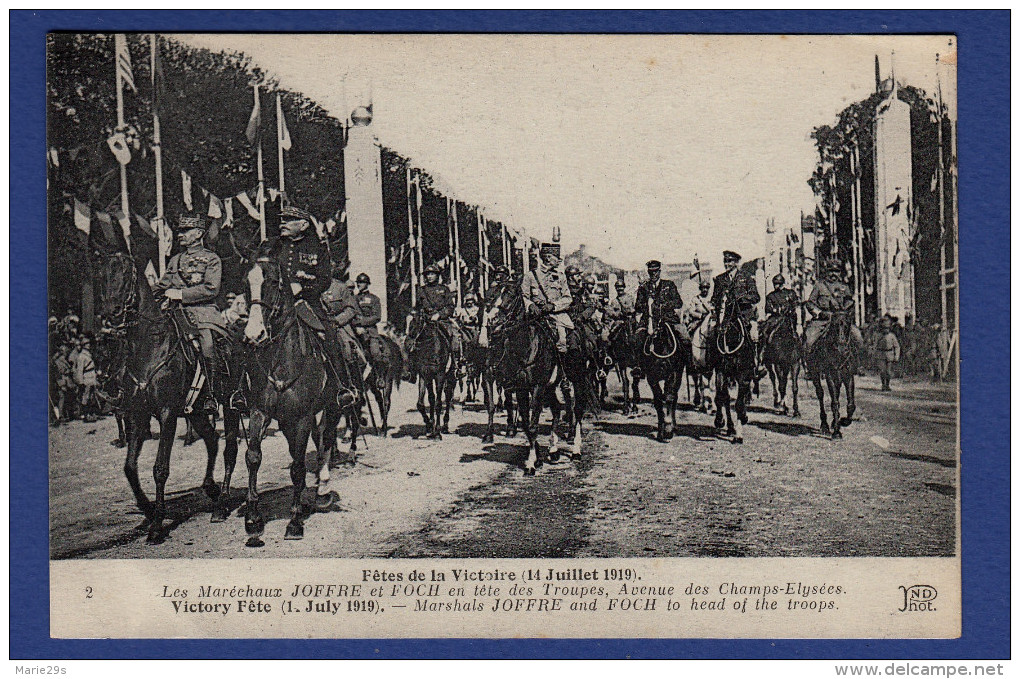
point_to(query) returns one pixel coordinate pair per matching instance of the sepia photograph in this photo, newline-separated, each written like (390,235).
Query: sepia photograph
(542,301)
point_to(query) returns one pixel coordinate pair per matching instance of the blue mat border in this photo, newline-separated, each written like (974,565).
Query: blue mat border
(984,189)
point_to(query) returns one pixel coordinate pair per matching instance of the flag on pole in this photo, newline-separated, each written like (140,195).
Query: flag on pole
(125,225)
(118,145)
(285,142)
(144,225)
(254,129)
(124,61)
(246,202)
(186,190)
(150,274)
(228,213)
(158,78)
(214,207)
(82,217)
(107,227)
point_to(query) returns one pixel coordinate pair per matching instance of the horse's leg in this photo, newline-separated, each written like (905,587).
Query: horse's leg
(834,384)
(447,403)
(557,412)
(304,473)
(207,432)
(161,472)
(774,380)
(524,411)
(512,416)
(578,436)
(851,404)
(121,439)
(636,387)
(254,524)
(743,389)
(136,431)
(328,458)
(795,387)
(422,391)
(385,405)
(672,396)
(820,395)
(490,409)
(721,396)
(660,413)
(231,427)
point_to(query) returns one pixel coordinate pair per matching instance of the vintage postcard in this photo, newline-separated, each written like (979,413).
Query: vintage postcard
(607,336)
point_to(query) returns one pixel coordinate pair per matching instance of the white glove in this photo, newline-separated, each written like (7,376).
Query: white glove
(295,288)
(174,293)
(434,317)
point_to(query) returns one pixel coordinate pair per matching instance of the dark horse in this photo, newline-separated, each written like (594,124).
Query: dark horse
(834,357)
(292,382)
(625,350)
(159,367)
(731,354)
(782,357)
(432,361)
(662,362)
(384,374)
(524,360)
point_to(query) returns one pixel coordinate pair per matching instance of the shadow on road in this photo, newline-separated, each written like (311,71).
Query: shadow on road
(181,506)
(501,453)
(786,428)
(942,489)
(698,432)
(930,459)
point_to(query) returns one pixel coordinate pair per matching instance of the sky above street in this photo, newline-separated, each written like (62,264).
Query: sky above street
(638,146)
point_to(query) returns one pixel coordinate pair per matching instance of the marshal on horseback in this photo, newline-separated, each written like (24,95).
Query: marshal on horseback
(172,365)
(297,370)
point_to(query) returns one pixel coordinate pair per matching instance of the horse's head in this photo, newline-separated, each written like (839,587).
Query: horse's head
(264,283)
(506,306)
(118,288)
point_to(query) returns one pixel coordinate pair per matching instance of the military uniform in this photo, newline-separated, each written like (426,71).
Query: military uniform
(696,312)
(780,304)
(342,307)
(366,322)
(661,302)
(437,299)
(887,354)
(827,297)
(618,311)
(196,272)
(735,288)
(546,288)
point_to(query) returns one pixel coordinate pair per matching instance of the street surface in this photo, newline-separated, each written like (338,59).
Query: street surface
(887,489)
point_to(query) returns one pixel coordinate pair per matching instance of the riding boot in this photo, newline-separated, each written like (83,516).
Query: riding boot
(346,396)
(212,375)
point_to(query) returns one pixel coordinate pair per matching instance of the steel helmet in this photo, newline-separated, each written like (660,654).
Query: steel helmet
(363,278)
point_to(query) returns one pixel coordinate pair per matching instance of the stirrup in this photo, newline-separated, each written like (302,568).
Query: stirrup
(238,402)
(346,398)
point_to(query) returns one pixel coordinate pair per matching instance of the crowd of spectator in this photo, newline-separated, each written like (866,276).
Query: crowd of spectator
(914,350)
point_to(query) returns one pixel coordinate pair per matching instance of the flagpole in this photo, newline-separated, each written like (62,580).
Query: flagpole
(279,139)
(412,200)
(419,243)
(483,256)
(262,180)
(456,251)
(124,205)
(157,151)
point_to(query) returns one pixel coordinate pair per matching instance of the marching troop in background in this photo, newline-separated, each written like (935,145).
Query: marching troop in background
(566,295)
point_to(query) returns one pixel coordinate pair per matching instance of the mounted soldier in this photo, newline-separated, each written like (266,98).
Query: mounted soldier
(699,308)
(467,315)
(369,314)
(830,295)
(658,301)
(619,311)
(436,303)
(780,305)
(304,263)
(193,278)
(500,277)
(734,291)
(342,307)
(546,292)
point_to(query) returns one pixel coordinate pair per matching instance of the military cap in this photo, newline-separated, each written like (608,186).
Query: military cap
(187,222)
(502,270)
(730,255)
(432,268)
(571,270)
(778,279)
(653,264)
(363,278)
(620,283)
(550,248)
(292,213)
(834,265)
(704,284)
(470,297)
